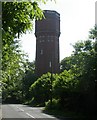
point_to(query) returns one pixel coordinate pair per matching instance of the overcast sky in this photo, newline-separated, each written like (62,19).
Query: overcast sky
(77,17)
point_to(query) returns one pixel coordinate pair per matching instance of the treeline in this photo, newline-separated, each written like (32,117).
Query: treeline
(75,88)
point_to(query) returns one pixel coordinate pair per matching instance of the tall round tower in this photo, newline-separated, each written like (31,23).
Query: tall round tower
(47,32)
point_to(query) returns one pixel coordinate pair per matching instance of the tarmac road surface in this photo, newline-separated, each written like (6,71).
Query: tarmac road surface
(23,111)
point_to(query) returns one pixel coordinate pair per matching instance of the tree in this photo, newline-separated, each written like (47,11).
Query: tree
(20,15)
(28,79)
(12,71)
(65,86)
(83,64)
(93,36)
(17,18)
(66,64)
(40,89)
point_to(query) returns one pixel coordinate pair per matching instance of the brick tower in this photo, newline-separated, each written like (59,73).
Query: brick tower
(47,32)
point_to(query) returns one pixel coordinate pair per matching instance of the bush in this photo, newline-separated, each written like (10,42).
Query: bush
(54,105)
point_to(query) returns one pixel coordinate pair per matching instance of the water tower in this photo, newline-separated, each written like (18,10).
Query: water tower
(47,32)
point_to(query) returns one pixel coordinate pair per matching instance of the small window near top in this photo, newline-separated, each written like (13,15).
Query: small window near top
(50,64)
(41,52)
(48,40)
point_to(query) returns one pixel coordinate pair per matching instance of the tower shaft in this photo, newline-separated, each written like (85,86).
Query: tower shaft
(47,32)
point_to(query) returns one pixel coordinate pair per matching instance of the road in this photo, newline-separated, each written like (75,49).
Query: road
(23,111)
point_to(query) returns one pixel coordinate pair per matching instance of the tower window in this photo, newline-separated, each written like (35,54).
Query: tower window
(48,40)
(41,41)
(41,52)
(50,64)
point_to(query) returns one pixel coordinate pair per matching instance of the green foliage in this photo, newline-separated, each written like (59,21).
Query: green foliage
(64,83)
(28,79)
(66,64)
(12,70)
(17,18)
(83,65)
(54,105)
(20,15)
(64,87)
(41,89)
(93,32)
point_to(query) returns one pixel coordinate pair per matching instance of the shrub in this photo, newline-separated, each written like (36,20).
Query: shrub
(54,105)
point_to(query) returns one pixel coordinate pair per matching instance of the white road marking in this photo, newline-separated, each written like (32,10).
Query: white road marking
(20,109)
(30,115)
(26,113)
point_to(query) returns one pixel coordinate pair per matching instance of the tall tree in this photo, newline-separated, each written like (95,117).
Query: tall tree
(17,18)
(83,64)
